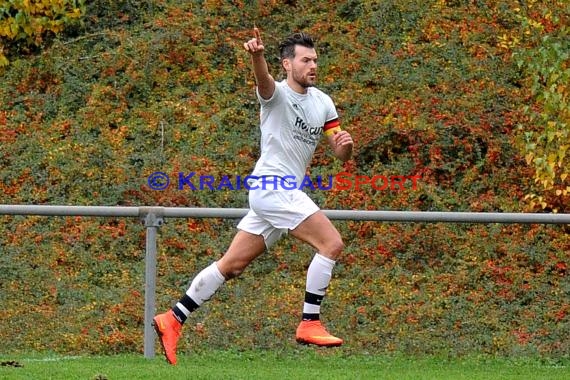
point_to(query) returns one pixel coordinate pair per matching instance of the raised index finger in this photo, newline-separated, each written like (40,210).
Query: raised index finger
(257,35)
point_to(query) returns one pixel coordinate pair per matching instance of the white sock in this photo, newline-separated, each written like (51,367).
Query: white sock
(205,284)
(318,279)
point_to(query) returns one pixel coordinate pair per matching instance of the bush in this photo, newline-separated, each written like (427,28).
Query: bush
(26,24)
(425,88)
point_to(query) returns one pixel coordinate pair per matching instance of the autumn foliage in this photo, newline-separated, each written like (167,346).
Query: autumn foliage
(437,89)
(25,24)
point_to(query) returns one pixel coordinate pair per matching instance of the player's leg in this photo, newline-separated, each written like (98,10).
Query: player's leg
(254,236)
(245,247)
(318,231)
(296,212)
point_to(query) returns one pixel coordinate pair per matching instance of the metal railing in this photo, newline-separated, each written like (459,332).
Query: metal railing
(153,218)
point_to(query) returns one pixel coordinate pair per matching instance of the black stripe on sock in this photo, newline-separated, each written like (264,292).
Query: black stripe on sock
(178,314)
(313,299)
(310,317)
(189,304)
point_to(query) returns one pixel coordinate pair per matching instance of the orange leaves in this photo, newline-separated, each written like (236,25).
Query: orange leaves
(3,118)
(421,90)
(116,228)
(13,186)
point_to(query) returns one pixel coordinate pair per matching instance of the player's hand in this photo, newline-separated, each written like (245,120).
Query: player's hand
(343,138)
(254,46)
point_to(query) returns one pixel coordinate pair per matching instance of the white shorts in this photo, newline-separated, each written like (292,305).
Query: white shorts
(274,212)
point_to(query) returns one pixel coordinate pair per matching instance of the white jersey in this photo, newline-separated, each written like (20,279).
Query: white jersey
(291,127)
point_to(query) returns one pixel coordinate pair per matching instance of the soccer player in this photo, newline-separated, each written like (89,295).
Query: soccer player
(294,116)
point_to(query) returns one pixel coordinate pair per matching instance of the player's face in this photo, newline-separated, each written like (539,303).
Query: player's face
(304,66)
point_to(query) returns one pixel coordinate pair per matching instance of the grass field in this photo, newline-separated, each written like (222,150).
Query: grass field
(301,363)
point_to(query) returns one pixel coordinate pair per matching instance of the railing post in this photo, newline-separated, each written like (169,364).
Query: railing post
(153,217)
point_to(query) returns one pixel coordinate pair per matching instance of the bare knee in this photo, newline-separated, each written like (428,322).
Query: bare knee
(333,249)
(233,273)
(231,269)
(245,247)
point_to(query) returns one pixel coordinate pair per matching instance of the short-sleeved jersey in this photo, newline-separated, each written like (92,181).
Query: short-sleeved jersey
(291,127)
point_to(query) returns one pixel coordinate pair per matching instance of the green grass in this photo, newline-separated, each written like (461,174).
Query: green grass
(298,364)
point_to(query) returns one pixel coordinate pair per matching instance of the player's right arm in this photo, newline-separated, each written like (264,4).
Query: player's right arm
(264,80)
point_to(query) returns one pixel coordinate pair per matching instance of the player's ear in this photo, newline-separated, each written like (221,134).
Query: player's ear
(286,63)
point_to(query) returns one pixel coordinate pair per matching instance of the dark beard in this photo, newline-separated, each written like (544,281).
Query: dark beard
(302,82)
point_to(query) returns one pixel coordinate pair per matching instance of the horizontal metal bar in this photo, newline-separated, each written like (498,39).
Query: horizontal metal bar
(232,213)
(199,212)
(449,217)
(61,210)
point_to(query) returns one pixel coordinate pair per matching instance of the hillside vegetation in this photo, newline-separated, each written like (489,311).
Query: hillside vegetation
(470,96)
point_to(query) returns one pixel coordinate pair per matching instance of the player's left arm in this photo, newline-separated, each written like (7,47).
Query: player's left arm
(340,141)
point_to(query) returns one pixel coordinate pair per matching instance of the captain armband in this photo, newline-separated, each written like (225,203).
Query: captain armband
(331,127)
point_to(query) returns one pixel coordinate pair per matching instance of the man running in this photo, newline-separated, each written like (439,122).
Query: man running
(294,116)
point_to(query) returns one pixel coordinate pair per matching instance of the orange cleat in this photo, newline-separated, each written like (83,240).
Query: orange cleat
(313,332)
(168,330)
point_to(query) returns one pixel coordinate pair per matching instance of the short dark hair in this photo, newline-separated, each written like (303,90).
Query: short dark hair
(287,47)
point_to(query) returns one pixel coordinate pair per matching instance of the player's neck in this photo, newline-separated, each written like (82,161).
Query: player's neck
(295,86)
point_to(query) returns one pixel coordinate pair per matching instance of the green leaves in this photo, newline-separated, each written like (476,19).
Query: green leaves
(425,88)
(545,140)
(26,23)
